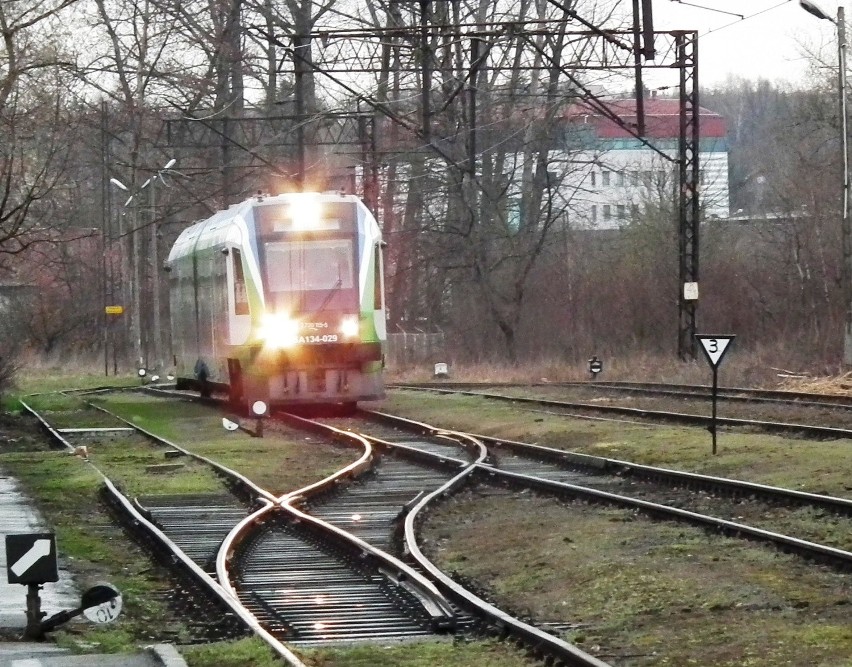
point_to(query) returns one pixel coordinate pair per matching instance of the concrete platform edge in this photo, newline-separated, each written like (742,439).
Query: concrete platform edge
(167,654)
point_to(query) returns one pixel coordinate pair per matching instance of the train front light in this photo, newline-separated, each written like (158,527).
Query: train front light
(279,331)
(349,327)
(305,211)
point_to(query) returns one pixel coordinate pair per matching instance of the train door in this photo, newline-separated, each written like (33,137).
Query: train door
(239,316)
(380,315)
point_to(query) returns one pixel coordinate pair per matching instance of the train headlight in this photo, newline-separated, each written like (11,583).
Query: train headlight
(279,331)
(259,408)
(305,211)
(349,327)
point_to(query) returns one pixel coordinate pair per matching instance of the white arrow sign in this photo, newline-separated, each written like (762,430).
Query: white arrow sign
(38,550)
(714,347)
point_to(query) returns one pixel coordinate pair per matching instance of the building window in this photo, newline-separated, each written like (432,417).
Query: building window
(634,211)
(619,178)
(634,178)
(605,178)
(607,211)
(594,212)
(621,211)
(594,179)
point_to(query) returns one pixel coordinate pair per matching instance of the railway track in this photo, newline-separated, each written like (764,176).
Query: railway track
(308,591)
(734,394)
(798,415)
(301,580)
(194,530)
(380,500)
(724,505)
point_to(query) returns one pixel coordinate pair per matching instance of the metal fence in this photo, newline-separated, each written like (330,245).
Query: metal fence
(412,349)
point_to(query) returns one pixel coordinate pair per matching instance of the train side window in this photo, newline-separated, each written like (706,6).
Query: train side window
(241,306)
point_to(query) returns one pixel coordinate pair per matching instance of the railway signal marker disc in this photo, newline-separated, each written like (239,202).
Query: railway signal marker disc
(714,347)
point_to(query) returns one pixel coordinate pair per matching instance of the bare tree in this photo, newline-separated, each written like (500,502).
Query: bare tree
(31,154)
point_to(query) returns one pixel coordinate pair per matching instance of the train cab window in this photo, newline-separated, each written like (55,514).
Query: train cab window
(241,306)
(305,266)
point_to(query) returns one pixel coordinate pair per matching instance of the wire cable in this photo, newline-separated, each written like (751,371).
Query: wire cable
(745,18)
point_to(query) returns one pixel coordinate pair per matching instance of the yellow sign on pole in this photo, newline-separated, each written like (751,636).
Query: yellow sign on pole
(114,310)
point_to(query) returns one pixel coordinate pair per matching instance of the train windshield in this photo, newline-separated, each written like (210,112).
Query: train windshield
(320,271)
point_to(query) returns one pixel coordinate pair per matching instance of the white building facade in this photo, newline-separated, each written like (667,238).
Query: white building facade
(615,177)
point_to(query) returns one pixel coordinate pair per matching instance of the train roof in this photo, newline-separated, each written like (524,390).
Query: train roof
(218,226)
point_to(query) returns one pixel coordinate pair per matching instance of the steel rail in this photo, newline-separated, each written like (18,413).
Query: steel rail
(618,466)
(740,394)
(680,477)
(138,520)
(729,394)
(543,645)
(440,610)
(671,417)
(221,469)
(201,577)
(52,431)
(802,547)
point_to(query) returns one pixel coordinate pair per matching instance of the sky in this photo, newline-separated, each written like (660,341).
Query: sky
(767,43)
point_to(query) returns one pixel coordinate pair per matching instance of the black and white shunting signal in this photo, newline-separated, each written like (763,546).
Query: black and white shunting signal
(715,346)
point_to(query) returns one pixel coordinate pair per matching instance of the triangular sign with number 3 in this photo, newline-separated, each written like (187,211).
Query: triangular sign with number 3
(714,347)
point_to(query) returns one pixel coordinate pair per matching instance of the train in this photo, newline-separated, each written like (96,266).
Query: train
(280,301)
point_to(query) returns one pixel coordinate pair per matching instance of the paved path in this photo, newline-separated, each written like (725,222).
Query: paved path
(26,654)
(17,515)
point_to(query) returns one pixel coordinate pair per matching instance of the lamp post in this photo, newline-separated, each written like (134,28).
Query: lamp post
(136,282)
(155,262)
(846,234)
(135,278)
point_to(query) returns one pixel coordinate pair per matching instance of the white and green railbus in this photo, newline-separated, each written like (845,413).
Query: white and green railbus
(279,300)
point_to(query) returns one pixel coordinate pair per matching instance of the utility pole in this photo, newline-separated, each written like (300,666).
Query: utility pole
(846,235)
(157,337)
(846,272)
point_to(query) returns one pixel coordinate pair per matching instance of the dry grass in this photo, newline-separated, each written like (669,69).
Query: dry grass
(639,592)
(839,385)
(741,367)
(769,366)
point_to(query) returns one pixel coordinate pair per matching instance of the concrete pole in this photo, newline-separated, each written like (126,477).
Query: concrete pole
(846,270)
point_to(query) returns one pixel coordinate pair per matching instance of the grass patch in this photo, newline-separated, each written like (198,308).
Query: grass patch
(282,461)
(52,380)
(645,592)
(817,467)
(66,490)
(249,652)
(254,653)
(421,654)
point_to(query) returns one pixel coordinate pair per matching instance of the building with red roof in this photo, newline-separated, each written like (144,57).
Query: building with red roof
(623,175)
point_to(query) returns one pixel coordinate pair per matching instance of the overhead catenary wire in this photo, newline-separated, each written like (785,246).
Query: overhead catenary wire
(744,18)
